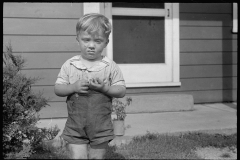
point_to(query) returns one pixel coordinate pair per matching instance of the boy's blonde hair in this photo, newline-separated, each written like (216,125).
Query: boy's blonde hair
(92,23)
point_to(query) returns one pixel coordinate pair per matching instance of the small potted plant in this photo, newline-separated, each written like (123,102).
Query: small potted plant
(119,108)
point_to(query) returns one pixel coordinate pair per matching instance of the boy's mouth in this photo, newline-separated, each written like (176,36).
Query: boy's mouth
(90,51)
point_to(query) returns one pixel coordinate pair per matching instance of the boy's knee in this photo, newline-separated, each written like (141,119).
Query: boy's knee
(98,151)
(78,151)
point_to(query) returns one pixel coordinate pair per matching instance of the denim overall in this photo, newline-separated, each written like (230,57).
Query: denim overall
(89,119)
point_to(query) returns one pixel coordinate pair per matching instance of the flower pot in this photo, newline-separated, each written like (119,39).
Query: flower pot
(118,127)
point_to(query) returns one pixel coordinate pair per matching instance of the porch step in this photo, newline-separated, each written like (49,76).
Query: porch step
(159,103)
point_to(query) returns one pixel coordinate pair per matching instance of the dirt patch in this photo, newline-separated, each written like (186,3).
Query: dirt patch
(217,153)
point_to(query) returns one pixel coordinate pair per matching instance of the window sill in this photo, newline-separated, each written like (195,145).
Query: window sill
(152,84)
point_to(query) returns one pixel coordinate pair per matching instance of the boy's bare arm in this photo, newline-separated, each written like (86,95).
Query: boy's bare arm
(63,90)
(116,91)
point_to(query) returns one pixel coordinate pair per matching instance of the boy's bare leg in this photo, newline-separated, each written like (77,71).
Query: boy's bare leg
(98,151)
(78,151)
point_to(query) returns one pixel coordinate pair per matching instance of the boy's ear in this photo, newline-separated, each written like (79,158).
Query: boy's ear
(107,42)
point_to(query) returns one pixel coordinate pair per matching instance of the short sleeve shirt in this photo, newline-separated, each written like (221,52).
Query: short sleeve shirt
(106,70)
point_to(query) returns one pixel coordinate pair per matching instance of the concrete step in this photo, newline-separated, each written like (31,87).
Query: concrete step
(159,103)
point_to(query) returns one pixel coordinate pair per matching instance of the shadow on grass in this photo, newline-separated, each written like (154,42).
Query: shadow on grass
(46,151)
(47,154)
(51,153)
(112,154)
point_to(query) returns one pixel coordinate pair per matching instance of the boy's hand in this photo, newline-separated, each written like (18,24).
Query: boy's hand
(98,85)
(81,86)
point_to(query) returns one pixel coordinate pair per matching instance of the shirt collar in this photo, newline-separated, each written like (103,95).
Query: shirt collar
(76,61)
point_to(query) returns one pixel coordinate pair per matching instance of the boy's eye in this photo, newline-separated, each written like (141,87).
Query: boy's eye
(98,41)
(85,40)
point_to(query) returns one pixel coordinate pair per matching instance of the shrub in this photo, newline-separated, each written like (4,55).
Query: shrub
(119,108)
(20,108)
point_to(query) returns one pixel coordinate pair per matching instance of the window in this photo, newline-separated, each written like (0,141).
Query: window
(142,42)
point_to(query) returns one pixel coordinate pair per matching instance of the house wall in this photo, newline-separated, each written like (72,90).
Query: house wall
(44,34)
(208,54)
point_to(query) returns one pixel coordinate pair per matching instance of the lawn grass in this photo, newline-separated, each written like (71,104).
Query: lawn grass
(156,146)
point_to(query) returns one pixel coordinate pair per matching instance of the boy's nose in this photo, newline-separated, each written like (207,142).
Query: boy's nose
(91,45)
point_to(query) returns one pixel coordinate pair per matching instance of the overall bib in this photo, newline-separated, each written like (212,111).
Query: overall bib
(89,119)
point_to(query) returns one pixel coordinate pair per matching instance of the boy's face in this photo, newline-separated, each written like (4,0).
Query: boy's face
(92,45)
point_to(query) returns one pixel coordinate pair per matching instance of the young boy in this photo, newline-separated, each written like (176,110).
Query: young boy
(90,81)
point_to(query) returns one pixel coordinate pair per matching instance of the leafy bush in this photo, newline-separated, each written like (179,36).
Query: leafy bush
(119,108)
(20,108)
